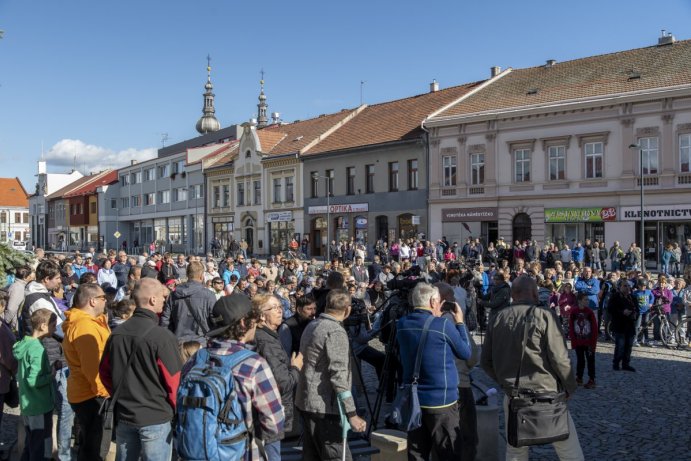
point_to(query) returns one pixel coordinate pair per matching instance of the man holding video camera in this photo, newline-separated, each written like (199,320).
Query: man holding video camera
(438,381)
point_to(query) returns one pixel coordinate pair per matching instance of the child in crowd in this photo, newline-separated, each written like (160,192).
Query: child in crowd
(567,301)
(645,298)
(120,311)
(188,349)
(35,380)
(583,335)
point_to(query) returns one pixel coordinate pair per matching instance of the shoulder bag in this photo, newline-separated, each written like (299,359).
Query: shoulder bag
(535,418)
(405,411)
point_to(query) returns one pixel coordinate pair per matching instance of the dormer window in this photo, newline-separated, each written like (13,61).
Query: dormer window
(248,154)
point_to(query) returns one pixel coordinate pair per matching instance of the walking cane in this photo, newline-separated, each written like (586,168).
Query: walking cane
(345,425)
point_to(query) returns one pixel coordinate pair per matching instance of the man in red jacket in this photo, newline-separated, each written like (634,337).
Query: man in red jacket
(583,335)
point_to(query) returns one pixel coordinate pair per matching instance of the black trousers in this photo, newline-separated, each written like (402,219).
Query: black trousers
(440,431)
(583,354)
(468,423)
(322,438)
(92,446)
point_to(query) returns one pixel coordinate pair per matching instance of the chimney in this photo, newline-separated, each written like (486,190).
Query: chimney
(133,162)
(434,86)
(275,117)
(494,71)
(666,38)
(550,62)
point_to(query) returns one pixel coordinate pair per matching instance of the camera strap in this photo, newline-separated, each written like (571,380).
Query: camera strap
(420,347)
(528,320)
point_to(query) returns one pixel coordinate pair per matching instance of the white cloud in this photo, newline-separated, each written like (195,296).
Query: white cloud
(92,159)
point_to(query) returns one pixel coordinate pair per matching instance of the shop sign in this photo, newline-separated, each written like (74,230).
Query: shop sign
(360,222)
(279,216)
(346,208)
(595,214)
(416,220)
(469,214)
(656,212)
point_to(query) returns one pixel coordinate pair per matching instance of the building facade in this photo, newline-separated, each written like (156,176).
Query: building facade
(544,153)
(14,213)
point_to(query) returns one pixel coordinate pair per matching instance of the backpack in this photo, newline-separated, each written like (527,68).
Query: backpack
(210,422)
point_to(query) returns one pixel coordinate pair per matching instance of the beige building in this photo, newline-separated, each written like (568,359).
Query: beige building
(543,153)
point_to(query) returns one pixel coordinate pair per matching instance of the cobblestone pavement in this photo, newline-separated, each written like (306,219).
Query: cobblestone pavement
(642,416)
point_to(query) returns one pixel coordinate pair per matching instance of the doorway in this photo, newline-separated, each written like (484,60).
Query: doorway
(522,227)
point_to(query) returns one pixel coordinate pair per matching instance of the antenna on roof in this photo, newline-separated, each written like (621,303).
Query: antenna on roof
(164,138)
(74,166)
(362,86)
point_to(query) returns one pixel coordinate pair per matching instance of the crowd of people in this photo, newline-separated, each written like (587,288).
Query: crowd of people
(89,336)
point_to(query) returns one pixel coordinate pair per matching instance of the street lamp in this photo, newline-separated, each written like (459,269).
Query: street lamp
(194,219)
(642,237)
(315,176)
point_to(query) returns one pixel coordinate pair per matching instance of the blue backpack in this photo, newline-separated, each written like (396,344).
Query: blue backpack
(210,422)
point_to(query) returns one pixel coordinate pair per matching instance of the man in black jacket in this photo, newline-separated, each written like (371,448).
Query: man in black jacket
(188,309)
(291,330)
(286,371)
(146,386)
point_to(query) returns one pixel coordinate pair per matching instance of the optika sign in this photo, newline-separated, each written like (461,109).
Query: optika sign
(660,213)
(347,208)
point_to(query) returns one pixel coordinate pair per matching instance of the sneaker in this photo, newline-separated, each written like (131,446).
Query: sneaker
(628,368)
(636,344)
(579,381)
(590,384)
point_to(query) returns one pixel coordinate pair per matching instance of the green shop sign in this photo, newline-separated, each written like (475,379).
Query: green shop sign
(580,214)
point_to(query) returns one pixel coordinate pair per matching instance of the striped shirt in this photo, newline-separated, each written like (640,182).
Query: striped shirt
(257,391)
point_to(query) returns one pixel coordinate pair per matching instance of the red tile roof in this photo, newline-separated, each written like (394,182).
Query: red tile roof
(12,193)
(73,186)
(596,76)
(391,121)
(93,182)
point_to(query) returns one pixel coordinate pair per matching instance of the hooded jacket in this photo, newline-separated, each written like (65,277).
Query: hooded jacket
(178,317)
(38,297)
(33,377)
(85,340)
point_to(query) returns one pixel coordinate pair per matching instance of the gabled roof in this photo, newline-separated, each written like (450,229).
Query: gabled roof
(391,121)
(298,136)
(618,73)
(94,181)
(75,185)
(12,193)
(222,155)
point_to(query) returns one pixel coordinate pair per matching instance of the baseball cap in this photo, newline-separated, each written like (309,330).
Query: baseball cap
(228,310)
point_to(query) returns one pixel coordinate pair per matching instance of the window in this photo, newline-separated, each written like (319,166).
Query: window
(290,196)
(350,178)
(92,207)
(113,203)
(137,177)
(226,196)
(650,151)
(393,176)
(164,171)
(412,175)
(164,196)
(180,194)
(449,166)
(277,190)
(149,174)
(477,168)
(125,179)
(685,153)
(257,192)
(314,188)
(149,199)
(522,164)
(179,166)
(369,187)
(17,217)
(241,194)
(594,153)
(217,196)
(136,200)
(557,162)
(25,218)
(195,191)
(330,182)
(125,202)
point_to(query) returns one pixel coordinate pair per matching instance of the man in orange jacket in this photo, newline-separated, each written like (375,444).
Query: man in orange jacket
(86,331)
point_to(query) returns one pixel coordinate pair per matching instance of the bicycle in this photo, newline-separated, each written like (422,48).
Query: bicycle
(668,334)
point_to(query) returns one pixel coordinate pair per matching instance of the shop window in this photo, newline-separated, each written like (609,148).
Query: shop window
(382,225)
(406,228)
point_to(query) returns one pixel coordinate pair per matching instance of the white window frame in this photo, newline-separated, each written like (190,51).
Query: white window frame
(136,201)
(150,199)
(522,164)
(556,156)
(685,152)
(449,170)
(650,149)
(164,196)
(216,199)
(125,202)
(289,187)
(592,151)
(477,168)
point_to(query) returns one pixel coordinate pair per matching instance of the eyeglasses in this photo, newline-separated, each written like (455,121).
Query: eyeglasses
(276,307)
(103,297)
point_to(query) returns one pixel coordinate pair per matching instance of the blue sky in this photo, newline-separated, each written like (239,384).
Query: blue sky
(107,79)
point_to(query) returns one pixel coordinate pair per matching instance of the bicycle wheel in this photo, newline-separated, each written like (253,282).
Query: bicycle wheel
(667,333)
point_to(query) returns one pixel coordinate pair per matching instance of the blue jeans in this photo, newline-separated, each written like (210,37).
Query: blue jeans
(65,414)
(151,443)
(640,321)
(273,450)
(622,348)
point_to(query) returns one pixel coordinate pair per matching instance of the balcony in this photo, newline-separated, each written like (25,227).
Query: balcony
(448,192)
(477,190)
(684,178)
(648,181)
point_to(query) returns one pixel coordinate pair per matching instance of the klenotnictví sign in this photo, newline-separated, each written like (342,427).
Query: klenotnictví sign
(657,212)
(595,214)
(469,214)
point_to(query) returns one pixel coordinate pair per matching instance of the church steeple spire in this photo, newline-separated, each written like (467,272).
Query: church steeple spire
(208,122)
(262,119)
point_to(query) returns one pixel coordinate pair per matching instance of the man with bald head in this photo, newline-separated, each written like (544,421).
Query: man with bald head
(545,366)
(145,386)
